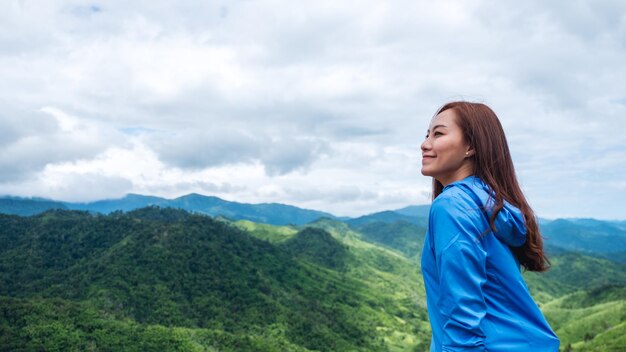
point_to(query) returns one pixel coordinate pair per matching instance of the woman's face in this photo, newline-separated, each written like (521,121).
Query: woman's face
(444,150)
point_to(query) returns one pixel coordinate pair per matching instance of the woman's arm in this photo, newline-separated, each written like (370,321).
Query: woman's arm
(462,274)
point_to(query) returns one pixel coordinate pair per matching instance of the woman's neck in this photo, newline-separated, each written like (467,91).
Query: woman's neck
(464,171)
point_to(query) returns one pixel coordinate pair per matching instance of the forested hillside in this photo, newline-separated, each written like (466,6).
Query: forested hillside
(164,277)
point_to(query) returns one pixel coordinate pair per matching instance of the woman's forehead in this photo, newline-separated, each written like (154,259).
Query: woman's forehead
(446,119)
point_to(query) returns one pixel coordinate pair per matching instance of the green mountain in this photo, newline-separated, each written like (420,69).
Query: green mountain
(420,211)
(386,217)
(27,206)
(271,213)
(571,272)
(587,236)
(590,320)
(403,236)
(127,203)
(167,279)
(318,246)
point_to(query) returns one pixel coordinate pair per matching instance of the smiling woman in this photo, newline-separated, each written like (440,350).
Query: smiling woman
(446,155)
(480,230)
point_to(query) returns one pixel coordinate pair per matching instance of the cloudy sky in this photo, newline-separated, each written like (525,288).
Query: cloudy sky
(322,105)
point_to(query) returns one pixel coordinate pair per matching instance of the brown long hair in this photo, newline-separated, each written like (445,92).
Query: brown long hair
(493,164)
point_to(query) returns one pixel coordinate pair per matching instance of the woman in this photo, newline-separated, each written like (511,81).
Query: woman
(480,230)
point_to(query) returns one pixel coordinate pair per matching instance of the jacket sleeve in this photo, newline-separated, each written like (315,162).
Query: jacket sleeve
(462,274)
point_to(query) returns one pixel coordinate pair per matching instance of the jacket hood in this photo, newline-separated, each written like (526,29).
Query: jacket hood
(510,224)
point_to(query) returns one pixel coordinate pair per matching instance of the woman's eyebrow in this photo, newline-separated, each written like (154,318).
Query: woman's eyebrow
(435,127)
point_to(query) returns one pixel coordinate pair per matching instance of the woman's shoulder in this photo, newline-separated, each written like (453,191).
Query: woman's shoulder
(454,219)
(453,199)
(454,208)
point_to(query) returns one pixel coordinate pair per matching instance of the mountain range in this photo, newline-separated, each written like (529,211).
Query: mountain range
(271,213)
(606,239)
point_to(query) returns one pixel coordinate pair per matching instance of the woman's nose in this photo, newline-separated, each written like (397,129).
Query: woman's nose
(425,145)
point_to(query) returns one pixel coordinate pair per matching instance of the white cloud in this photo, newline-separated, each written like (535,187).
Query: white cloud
(47,137)
(318,104)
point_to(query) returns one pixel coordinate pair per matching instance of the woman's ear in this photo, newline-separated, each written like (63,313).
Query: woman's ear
(469,152)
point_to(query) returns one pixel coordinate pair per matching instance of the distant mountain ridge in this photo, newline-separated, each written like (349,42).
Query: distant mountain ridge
(589,236)
(28,206)
(270,213)
(599,238)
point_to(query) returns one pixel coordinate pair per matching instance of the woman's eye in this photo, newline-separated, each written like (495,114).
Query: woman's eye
(438,133)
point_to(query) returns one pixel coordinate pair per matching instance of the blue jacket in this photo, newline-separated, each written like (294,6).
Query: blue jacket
(476,296)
